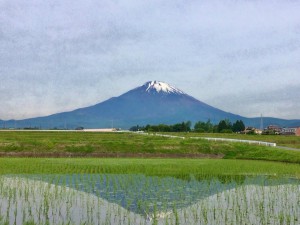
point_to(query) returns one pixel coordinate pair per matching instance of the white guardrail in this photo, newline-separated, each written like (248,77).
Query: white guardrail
(264,143)
(238,140)
(160,135)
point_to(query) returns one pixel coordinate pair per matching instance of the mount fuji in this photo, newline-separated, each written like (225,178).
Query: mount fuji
(152,103)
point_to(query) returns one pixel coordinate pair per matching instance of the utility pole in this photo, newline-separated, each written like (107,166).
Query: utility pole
(261,122)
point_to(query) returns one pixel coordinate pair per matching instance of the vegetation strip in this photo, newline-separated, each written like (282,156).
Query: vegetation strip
(82,144)
(280,140)
(109,155)
(157,167)
(271,144)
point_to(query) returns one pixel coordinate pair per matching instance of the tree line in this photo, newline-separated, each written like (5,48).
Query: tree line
(224,126)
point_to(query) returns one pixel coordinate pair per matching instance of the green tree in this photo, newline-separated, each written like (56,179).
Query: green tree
(203,127)
(224,126)
(200,127)
(238,126)
(188,125)
(136,128)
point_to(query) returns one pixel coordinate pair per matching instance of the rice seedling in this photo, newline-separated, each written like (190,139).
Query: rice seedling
(72,199)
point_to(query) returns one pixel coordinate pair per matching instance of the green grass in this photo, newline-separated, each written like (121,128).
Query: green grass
(64,144)
(158,167)
(281,140)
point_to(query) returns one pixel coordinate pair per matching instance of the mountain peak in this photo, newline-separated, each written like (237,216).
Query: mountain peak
(161,87)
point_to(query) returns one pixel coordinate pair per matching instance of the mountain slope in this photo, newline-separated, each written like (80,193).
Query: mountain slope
(152,103)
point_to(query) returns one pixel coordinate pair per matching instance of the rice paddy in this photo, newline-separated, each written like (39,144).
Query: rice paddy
(87,190)
(138,199)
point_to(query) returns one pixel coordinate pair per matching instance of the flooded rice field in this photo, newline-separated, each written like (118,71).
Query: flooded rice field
(138,199)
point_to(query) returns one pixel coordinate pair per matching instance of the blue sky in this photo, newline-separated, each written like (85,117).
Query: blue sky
(239,56)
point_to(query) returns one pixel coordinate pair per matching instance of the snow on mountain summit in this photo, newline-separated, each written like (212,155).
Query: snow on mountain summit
(159,86)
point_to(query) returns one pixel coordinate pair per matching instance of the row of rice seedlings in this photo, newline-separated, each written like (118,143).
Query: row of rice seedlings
(154,167)
(55,204)
(74,199)
(250,204)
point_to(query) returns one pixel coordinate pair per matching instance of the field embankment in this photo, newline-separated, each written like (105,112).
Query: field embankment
(83,144)
(281,140)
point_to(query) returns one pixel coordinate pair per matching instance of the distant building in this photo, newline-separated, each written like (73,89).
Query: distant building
(272,129)
(291,131)
(258,131)
(101,130)
(251,130)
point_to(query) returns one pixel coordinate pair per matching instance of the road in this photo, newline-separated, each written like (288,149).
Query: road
(288,148)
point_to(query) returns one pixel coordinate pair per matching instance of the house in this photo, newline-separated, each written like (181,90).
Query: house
(272,129)
(291,131)
(251,130)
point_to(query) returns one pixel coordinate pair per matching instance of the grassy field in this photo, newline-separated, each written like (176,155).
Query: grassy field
(67,144)
(280,140)
(152,167)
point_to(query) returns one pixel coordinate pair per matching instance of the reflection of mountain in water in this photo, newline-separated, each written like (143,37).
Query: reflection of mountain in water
(146,195)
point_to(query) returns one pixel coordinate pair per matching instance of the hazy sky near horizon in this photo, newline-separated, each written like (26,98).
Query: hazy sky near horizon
(241,56)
